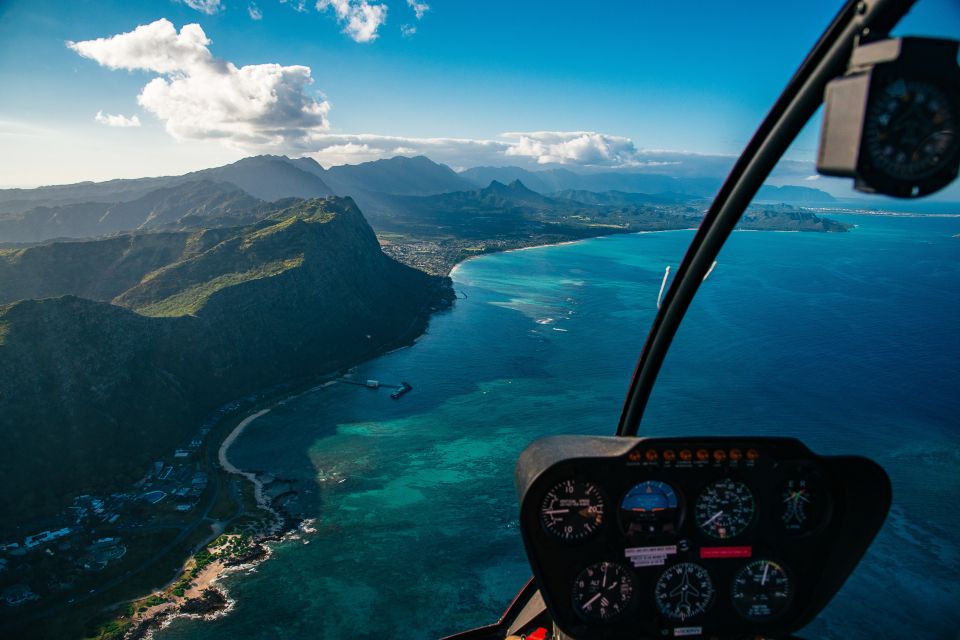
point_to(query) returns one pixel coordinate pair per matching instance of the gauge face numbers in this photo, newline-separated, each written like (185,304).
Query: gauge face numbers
(761,590)
(572,510)
(683,591)
(603,592)
(911,129)
(649,508)
(801,507)
(724,509)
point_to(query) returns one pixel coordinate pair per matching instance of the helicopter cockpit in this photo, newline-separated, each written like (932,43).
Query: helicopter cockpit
(735,537)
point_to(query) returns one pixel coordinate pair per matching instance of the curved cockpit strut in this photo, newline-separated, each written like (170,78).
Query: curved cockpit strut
(735,537)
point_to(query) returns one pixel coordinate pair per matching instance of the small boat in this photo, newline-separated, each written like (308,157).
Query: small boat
(402,389)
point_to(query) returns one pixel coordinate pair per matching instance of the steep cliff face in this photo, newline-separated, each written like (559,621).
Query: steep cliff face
(92,391)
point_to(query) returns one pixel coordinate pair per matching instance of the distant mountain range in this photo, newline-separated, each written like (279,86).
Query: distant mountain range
(246,190)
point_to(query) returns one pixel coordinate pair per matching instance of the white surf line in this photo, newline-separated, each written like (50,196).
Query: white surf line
(262,502)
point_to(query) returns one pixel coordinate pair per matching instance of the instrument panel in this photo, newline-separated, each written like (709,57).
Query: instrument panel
(686,537)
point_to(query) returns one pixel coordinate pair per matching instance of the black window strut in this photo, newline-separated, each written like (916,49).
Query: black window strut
(792,110)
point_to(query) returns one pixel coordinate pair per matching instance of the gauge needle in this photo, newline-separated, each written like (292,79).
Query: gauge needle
(712,518)
(766,568)
(586,605)
(604,585)
(553,512)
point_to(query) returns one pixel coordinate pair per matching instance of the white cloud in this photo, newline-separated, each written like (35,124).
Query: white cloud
(199,97)
(419,8)
(254,11)
(574,147)
(300,6)
(208,7)
(360,18)
(118,120)
(331,149)
(407,30)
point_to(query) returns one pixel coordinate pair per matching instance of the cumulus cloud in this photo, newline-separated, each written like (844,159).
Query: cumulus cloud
(334,149)
(360,18)
(419,8)
(574,147)
(407,30)
(118,120)
(254,11)
(208,7)
(199,97)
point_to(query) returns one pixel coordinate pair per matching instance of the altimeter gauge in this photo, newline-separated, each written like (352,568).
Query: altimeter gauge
(761,590)
(683,591)
(724,509)
(572,510)
(603,592)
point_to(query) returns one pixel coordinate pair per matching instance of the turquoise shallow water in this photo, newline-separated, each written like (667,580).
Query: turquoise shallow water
(847,341)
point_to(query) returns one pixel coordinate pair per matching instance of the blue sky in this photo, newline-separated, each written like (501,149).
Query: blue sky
(637,76)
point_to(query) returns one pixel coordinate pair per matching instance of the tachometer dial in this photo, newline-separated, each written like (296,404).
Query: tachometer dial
(683,591)
(603,591)
(649,508)
(572,510)
(724,509)
(761,590)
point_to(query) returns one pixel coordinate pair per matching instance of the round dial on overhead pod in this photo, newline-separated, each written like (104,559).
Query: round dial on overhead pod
(572,510)
(910,132)
(761,590)
(603,592)
(724,509)
(683,591)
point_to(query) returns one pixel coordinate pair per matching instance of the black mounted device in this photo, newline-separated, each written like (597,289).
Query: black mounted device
(890,122)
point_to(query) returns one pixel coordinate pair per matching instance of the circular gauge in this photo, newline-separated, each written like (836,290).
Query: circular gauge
(572,510)
(802,507)
(724,509)
(649,508)
(910,130)
(683,591)
(603,591)
(761,590)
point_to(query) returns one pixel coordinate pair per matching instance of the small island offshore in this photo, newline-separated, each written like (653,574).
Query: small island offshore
(164,315)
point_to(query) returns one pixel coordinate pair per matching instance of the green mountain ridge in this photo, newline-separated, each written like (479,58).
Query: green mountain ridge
(236,310)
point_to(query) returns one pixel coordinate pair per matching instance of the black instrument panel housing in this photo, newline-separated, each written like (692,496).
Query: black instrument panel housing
(854,498)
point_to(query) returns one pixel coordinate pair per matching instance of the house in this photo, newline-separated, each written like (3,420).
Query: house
(45,536)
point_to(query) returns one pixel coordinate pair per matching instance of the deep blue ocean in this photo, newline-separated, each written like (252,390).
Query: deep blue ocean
(848,341)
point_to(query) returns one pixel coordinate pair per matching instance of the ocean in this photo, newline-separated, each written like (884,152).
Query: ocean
(847,341)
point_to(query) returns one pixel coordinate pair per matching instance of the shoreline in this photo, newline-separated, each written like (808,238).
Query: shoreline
(283,528)
(157,618)
(453,270)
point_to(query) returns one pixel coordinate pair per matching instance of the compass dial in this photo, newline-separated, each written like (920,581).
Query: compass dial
(911,129)
(572,510)
(724,509)
(603,591)
(683,591)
